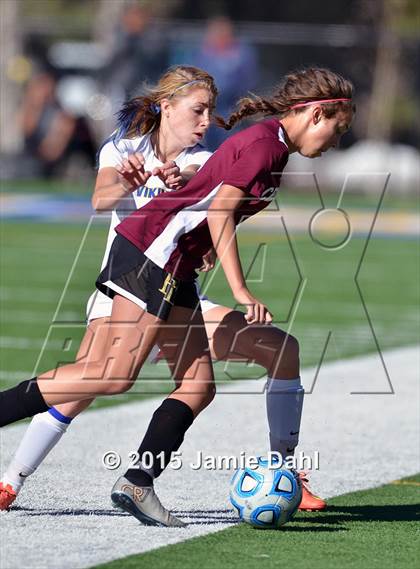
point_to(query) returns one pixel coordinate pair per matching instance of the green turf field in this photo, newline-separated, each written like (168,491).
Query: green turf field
(374,529)
(311,290)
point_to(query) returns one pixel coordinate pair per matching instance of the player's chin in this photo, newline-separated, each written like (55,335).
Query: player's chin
(306,152)
(192,141)
(312,154)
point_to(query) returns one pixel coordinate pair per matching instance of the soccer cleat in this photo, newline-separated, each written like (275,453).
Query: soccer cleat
(143,504)
(7,496)
(309,501)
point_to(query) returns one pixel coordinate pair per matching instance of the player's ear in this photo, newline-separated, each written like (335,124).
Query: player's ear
(164,106)
(316,114)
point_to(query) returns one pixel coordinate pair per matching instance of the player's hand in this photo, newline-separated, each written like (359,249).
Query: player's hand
(170,175)
(257,312)
(209,260)
(132,173)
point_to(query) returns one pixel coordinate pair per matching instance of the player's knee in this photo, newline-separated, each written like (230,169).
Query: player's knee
(289,361)
(116,386)
(284,361)
(117,381)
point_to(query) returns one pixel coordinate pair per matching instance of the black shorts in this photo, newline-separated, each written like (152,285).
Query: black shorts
(132,275)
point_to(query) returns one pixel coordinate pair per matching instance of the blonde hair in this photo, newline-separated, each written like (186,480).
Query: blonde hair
(142,115)
(300,86)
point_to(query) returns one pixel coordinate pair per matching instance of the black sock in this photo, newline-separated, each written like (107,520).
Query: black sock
(164,435)
(20,402)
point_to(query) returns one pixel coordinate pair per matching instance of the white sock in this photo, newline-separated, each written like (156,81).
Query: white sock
(284,401)
(43,433)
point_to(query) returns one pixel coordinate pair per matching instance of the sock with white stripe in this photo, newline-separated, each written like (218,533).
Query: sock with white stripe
(284,401)
(43,433)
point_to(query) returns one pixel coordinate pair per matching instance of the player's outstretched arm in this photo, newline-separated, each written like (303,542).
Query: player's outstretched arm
(221,220)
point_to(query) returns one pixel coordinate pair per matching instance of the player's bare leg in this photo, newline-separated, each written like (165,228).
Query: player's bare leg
(91,349)
(131,334)
(47,428)
(184,344)
(185,347)
(232,339)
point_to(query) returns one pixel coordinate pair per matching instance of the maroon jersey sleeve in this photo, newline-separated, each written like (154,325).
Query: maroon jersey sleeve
(256,163)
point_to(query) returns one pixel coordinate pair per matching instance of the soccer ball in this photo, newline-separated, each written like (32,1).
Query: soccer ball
(267,496)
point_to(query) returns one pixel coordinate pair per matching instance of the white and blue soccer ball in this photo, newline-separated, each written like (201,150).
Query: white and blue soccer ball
(267,496)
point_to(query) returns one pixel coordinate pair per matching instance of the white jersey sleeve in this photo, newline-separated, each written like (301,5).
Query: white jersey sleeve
(109,156)
(112,153)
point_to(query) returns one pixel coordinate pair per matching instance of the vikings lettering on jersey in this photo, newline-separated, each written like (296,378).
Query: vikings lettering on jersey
(144,191)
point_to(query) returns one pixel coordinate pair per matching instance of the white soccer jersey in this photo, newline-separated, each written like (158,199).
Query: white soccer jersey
(111,155)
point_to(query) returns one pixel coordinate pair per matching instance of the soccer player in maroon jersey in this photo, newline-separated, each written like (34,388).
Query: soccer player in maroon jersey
(191,94)
(151,277)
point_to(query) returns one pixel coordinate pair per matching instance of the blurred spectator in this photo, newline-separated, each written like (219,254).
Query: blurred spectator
(51,135)
(139,54)
(232,63)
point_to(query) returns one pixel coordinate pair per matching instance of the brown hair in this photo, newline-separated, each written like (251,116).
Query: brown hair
(300,86)
(142,114)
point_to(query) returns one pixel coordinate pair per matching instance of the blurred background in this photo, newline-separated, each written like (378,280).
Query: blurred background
(68,65)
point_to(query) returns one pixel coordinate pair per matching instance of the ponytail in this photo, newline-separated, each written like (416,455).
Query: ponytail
(297,89)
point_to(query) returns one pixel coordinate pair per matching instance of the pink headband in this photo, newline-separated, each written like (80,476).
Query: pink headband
(319,101)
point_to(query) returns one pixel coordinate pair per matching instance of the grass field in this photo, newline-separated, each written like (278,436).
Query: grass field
(311,291)
(376,529)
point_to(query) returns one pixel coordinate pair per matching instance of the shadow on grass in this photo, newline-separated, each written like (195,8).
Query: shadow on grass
(191,517)
(331,520)
(368,513)
(70,513)
(291,527)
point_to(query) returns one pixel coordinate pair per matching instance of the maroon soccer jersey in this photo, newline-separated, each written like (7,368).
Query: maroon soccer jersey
(172,229)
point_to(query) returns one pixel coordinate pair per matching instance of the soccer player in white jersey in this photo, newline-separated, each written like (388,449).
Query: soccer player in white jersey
(152,285)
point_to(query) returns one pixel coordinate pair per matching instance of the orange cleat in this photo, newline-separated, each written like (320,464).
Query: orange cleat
(7,496)
(309,502)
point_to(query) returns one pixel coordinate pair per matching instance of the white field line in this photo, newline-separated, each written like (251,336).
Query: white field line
(17,343)
(42,295)
(64,518)
(30,316)
(14,376)
(63,261)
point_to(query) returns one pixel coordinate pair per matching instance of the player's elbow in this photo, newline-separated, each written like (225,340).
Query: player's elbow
(95,203)
(99,204)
